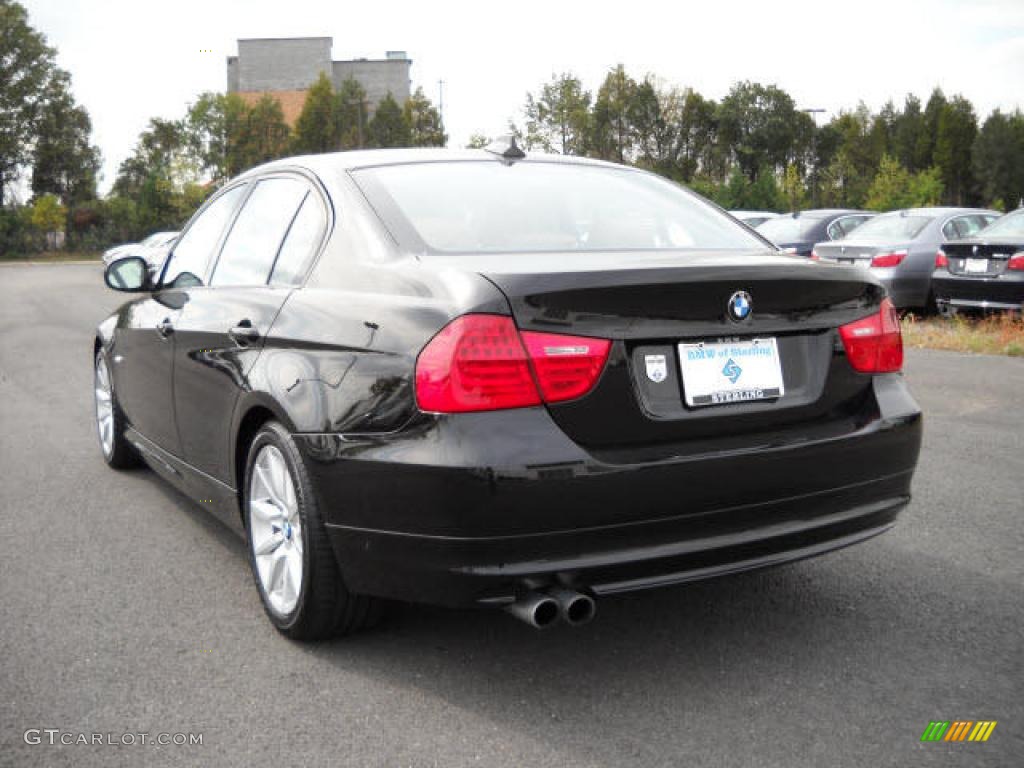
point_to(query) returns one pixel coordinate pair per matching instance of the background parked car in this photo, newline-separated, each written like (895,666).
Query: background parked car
(153,249)
(797,233)
(985,271)
(899,248)
(753,218)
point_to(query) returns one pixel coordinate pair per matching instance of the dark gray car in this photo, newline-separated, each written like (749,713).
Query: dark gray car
(796,233)
(899,248)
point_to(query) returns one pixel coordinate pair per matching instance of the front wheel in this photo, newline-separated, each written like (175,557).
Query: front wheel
(117,451)
(292,561)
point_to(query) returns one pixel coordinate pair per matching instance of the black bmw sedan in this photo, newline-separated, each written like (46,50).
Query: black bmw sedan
(797,233)
(480,378)
(983,272)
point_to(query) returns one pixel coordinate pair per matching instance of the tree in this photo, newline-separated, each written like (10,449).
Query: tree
(424,121)
(316,130)
(213,125)
(759,126)
(909,128)
(350,110)
(846,180)
(557,119)
(895,187)
(388,127)
(26,64)
(925,156)
(611,135)
(48,216)
(64,162)
(998,158)
(954,138)
(477,141)
(793,190)
(263,134)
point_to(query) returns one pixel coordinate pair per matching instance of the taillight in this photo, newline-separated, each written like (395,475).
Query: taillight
(482,363)
(566,366)
(888,259)
(941,260)
(874,344)
(815,256)
(1016,262)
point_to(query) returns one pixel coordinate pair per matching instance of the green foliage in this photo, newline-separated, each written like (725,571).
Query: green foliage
(262,134)
(998,158)
(213,125)
(759,125)
(424,121)
(557,120)
(316,130)
(954,138)
(793,191)
(895,187)
(48,215)
(26,67)
(388,127)
(64,162)
(477,141)
(612,131)
(351,110)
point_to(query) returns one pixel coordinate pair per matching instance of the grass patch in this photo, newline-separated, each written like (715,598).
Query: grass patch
(996,334)
(52,256)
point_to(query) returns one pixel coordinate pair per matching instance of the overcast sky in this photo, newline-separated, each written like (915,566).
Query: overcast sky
(133,60)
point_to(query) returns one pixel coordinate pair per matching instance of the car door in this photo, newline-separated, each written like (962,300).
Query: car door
(221,329)
(144,354)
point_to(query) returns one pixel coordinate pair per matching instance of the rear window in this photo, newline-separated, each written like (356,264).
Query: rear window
(898,227)
(489,207)
(1010,225)
(786,229)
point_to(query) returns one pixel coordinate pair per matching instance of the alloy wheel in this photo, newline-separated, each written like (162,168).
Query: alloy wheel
(275,530)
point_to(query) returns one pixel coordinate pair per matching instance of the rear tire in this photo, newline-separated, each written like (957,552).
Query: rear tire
(110,422)
(291,557)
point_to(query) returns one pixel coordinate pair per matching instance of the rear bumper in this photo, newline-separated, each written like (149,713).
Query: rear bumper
(1003,292)
(470,510)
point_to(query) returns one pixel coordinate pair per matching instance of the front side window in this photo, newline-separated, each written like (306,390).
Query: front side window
(489,207)
(255,238)
(192,255)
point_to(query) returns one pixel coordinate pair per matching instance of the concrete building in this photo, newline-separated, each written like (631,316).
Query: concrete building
(287,67)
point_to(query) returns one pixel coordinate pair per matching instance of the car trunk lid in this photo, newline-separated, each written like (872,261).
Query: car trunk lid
(652,306)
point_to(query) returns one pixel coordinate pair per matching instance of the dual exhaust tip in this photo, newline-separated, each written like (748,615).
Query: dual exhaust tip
(542,609)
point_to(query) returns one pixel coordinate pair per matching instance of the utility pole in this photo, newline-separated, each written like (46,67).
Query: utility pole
(440,100)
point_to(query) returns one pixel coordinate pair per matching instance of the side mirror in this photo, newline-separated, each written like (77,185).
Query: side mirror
(130,274)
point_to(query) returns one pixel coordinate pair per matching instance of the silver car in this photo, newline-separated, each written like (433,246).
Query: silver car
(899,248)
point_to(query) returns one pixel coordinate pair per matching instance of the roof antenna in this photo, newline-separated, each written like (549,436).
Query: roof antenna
(505,147)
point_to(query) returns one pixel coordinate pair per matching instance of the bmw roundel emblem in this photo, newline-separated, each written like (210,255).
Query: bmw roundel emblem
(740,306)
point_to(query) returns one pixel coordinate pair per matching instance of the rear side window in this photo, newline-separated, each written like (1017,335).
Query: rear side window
(191,256)
(300,243)
(252,245)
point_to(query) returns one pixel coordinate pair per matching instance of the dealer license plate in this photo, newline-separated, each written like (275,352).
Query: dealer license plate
(975,265)
(721,372)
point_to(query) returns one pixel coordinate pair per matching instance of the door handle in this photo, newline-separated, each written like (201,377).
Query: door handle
(244,333)
(165,328)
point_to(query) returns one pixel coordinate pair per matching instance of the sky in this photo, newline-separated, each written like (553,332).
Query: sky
(131,61)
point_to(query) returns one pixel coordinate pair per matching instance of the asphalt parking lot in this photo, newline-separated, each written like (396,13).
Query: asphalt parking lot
(126,609)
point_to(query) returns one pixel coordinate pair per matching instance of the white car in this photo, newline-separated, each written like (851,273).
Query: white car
(753,218)
(153,249)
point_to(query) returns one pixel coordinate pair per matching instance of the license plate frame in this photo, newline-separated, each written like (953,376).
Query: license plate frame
(724,371)
(974,266)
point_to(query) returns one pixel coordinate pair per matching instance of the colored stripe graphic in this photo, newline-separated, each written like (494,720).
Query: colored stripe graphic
(982,730)
(935,730)
(959,730)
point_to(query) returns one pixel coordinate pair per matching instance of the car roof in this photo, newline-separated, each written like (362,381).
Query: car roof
(367,158)
(936,211)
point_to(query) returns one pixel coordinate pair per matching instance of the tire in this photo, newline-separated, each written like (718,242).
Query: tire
(283,522)
(110,422)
